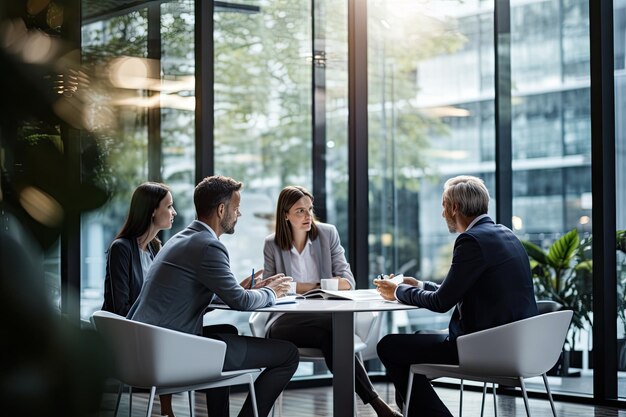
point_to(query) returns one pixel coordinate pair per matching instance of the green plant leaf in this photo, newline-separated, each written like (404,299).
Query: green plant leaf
(535,252)
(584,266)
(562,250)
(620,240)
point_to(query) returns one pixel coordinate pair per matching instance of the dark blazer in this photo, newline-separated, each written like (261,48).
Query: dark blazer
(489,282)
(124,275)
(191,268)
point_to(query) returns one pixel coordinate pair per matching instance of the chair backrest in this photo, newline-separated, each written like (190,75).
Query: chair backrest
(148,355)
(368,327)
(525,348)
(548,306)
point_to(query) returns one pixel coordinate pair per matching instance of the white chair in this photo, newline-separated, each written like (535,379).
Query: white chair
(367,333)
(166,361)
(505,355)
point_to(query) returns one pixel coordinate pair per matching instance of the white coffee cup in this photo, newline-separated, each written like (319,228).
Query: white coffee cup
(330,284)
(292,288)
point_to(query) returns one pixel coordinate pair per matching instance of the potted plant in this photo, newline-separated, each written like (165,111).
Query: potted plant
(563,274)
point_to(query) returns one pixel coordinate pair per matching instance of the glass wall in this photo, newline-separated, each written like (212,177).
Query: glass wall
(119,44)
(551,138)
(620,185)
(431,88)
(281,75)
(149,96)
(262,117)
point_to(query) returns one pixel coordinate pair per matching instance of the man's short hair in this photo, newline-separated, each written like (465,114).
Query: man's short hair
(468,193)
(213,191)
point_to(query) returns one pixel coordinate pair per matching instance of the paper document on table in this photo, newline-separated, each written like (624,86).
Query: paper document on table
(287,299)
(355,295)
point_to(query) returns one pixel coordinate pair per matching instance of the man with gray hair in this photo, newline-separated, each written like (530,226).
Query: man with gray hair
(488,284)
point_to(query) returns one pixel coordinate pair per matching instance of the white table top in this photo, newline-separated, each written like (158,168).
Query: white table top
(332,306)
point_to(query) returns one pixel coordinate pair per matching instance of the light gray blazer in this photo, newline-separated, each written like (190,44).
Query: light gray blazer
(327,250)
(191,268)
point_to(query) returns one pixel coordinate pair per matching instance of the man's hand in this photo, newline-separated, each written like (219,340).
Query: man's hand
(258,281)
(411,281)
(386,288)
(280,284)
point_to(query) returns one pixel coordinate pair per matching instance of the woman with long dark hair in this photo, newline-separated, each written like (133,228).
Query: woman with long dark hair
(131,253)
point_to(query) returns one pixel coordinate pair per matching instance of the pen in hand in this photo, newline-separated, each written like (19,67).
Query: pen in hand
(252,279)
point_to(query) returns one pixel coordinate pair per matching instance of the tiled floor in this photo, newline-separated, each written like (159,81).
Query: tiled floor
(317,402)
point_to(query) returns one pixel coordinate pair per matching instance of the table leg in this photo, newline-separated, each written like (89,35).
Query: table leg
(343,364)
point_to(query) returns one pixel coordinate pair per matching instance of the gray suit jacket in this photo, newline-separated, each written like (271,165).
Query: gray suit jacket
(327,250)
(191,268)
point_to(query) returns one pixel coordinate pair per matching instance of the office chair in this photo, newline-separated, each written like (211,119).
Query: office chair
(166,361)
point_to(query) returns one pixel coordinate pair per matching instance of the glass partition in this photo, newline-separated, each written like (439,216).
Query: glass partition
(551,138)
(115,49)
(620,185)
(431,117)
(263,114)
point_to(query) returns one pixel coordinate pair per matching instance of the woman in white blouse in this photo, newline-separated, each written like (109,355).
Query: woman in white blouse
(308,251)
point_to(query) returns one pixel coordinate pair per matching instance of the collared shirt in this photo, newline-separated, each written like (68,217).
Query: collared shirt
(482,216)
(215,236)
(304,265)
(210,230)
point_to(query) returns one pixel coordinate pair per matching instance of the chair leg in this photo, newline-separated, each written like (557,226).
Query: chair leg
(545,382)
(461,400)
(482,404)
(255,411)
(407,398)
(192,402)
(521,380)
(130,401)
(119,396)
(151,400)
(495,407)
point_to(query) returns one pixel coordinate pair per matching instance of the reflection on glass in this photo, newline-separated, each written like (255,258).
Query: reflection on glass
(430,118)
(118,44)
(177,108)
(551,133)
(332,30)
(619,31)
(263,117)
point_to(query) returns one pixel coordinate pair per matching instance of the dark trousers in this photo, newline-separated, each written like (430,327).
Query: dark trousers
(280,360)
(399,351)
(316,331)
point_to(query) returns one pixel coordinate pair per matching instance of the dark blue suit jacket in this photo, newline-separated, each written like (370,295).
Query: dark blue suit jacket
(489,282)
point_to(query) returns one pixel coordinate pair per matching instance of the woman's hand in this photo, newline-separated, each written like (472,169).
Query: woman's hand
(344,284)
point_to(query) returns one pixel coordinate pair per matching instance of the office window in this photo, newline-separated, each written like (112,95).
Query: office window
(551,134)
(430,118)
(262,117)
(117,45)
(177,109)
(620,185)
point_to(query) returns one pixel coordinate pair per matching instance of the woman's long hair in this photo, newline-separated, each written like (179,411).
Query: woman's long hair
(146,198)
(287,198)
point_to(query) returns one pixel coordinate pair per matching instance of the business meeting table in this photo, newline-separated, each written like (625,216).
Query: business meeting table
(343,340)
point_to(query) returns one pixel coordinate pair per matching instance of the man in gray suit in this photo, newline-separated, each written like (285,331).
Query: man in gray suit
(192,268)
